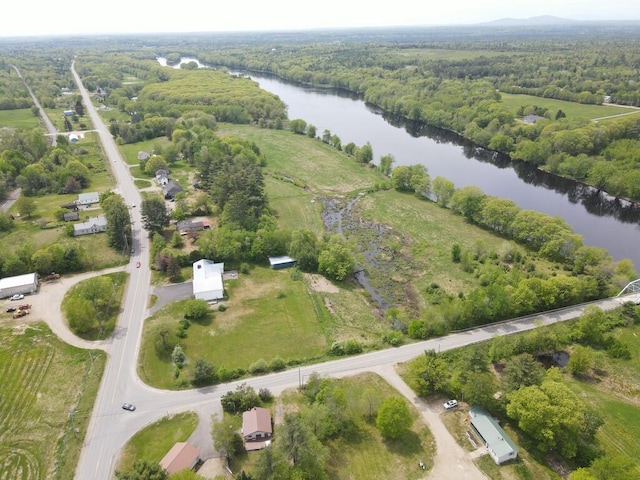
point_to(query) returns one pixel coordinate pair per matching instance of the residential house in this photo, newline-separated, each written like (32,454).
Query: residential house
(181,456)
(171,189)
(500,446)
(207,280)
(88,198)
(19,284)
(190,225)
(281,262)
(256,428)
(162,176)
(93,225)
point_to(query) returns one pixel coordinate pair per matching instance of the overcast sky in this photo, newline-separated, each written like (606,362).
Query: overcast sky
(49,17)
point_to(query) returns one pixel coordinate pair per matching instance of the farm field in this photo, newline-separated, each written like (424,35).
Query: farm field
(573,110)
(21,118)
(43,380)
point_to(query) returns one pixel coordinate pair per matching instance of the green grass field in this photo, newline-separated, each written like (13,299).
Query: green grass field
(574,111)
(268,314)
(43,380)
(295,208)
(22,118)
(305,160)
(154,441)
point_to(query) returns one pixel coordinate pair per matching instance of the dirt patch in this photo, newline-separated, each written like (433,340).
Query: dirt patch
(214,467)
(320,284)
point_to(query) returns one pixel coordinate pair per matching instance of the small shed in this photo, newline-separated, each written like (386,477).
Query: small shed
(181,456)
(142,155)
(88,198)
(281,262)
(207,280)
(93,225)
(500,446)
(256,428)
(72,216)
(19,284)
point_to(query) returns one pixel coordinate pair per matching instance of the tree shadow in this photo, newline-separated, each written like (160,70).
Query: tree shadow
(408,445)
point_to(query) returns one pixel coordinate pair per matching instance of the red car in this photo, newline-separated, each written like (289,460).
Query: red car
(137,264)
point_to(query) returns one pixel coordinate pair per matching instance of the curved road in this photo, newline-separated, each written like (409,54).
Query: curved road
(110,427)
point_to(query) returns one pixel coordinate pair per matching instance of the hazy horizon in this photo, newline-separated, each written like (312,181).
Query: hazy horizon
(46,18)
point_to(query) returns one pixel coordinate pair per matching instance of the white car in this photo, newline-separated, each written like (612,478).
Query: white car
(17,297)
(450,404)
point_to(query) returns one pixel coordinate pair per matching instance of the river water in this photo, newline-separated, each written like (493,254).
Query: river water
(601,220)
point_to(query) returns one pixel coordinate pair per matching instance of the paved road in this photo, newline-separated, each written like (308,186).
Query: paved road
(111,427)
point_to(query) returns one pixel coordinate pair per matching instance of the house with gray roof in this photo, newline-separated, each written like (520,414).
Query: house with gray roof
(500,446)
(93,225)
(88,198)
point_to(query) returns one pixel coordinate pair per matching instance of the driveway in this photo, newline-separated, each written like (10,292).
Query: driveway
(171,293)
(451,462)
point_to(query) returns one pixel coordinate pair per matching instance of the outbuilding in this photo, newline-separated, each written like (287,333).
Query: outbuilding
(182,456)
(207,280)
(281,262)
(500,446)
(20,284)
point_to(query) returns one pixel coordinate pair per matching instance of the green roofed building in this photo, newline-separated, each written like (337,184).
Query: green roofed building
(500,446)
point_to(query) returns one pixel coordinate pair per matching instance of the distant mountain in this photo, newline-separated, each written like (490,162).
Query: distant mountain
(542,20)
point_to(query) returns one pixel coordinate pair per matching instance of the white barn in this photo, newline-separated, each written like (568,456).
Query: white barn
(207,280)
(93,225)
(27,283)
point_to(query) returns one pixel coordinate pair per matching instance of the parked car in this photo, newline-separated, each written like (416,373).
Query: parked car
(17,296)
(637,300)
(129,406)
(450,404)
(11,309)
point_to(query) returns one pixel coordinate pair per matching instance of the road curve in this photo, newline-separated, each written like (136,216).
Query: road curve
(111,427)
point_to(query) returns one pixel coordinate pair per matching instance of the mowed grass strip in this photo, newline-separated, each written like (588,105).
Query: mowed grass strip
(309,161)
(268,314)
(573,110)
(154,441)
(43,380)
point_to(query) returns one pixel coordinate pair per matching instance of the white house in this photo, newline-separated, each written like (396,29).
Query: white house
(93,225)
(207,280)
(88,198)
(500,446)
(256,428)
(27,283)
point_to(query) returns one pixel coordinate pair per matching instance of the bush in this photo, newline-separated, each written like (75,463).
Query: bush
(222,308)
(265,394)
(336,349)
(196,309)
(352,347)
(393,338)
(203,373)
(259,366)
(277,364)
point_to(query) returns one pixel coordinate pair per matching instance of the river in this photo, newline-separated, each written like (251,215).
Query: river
(601,220)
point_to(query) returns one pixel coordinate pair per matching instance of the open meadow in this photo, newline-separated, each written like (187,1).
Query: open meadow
(48,389)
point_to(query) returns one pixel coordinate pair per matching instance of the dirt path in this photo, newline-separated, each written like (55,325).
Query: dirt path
(451,462)
(46,307)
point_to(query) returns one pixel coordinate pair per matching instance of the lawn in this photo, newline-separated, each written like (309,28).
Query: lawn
(154,441)
(22,118)
(573,110)
(268,314)
(48,390)
(306,161)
